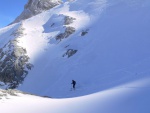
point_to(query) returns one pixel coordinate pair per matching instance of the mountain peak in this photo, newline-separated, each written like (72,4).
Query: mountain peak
(34,7)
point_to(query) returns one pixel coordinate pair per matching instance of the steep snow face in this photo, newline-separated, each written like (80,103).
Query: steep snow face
(109,47)
(99,43)
(34,7)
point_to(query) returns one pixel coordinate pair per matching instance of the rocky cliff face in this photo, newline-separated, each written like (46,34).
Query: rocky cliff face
(14,63)
(34,7)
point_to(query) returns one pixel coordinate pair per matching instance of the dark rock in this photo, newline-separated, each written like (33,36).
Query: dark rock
(34,7)
(68,31)
(14,61)
(69,20)
(84,32)
(70,52)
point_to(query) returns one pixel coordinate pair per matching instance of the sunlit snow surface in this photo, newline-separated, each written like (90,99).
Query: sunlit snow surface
(129,98)
(111,66)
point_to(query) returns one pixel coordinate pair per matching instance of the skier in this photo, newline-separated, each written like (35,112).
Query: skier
(73,84)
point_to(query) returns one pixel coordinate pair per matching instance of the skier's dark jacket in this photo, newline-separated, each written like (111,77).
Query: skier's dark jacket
(73,82)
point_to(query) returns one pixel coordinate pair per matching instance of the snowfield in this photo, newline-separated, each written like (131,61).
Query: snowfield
(111,64)
(129,98)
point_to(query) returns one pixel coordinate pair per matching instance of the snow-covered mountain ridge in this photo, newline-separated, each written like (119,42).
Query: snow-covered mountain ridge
(99,43)
(34,7)
(102,44)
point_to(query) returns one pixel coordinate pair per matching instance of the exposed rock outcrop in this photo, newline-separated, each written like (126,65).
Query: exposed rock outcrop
(68,31)
(14,63)
(84,32)
(70,52)
(69,20)
(10,92)
(34,7)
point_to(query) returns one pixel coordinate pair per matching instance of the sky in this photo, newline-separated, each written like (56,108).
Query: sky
(10,9)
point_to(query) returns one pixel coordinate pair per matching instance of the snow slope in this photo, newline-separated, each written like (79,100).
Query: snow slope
(121,99)
(111,65)
(113,52)
(115,47)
